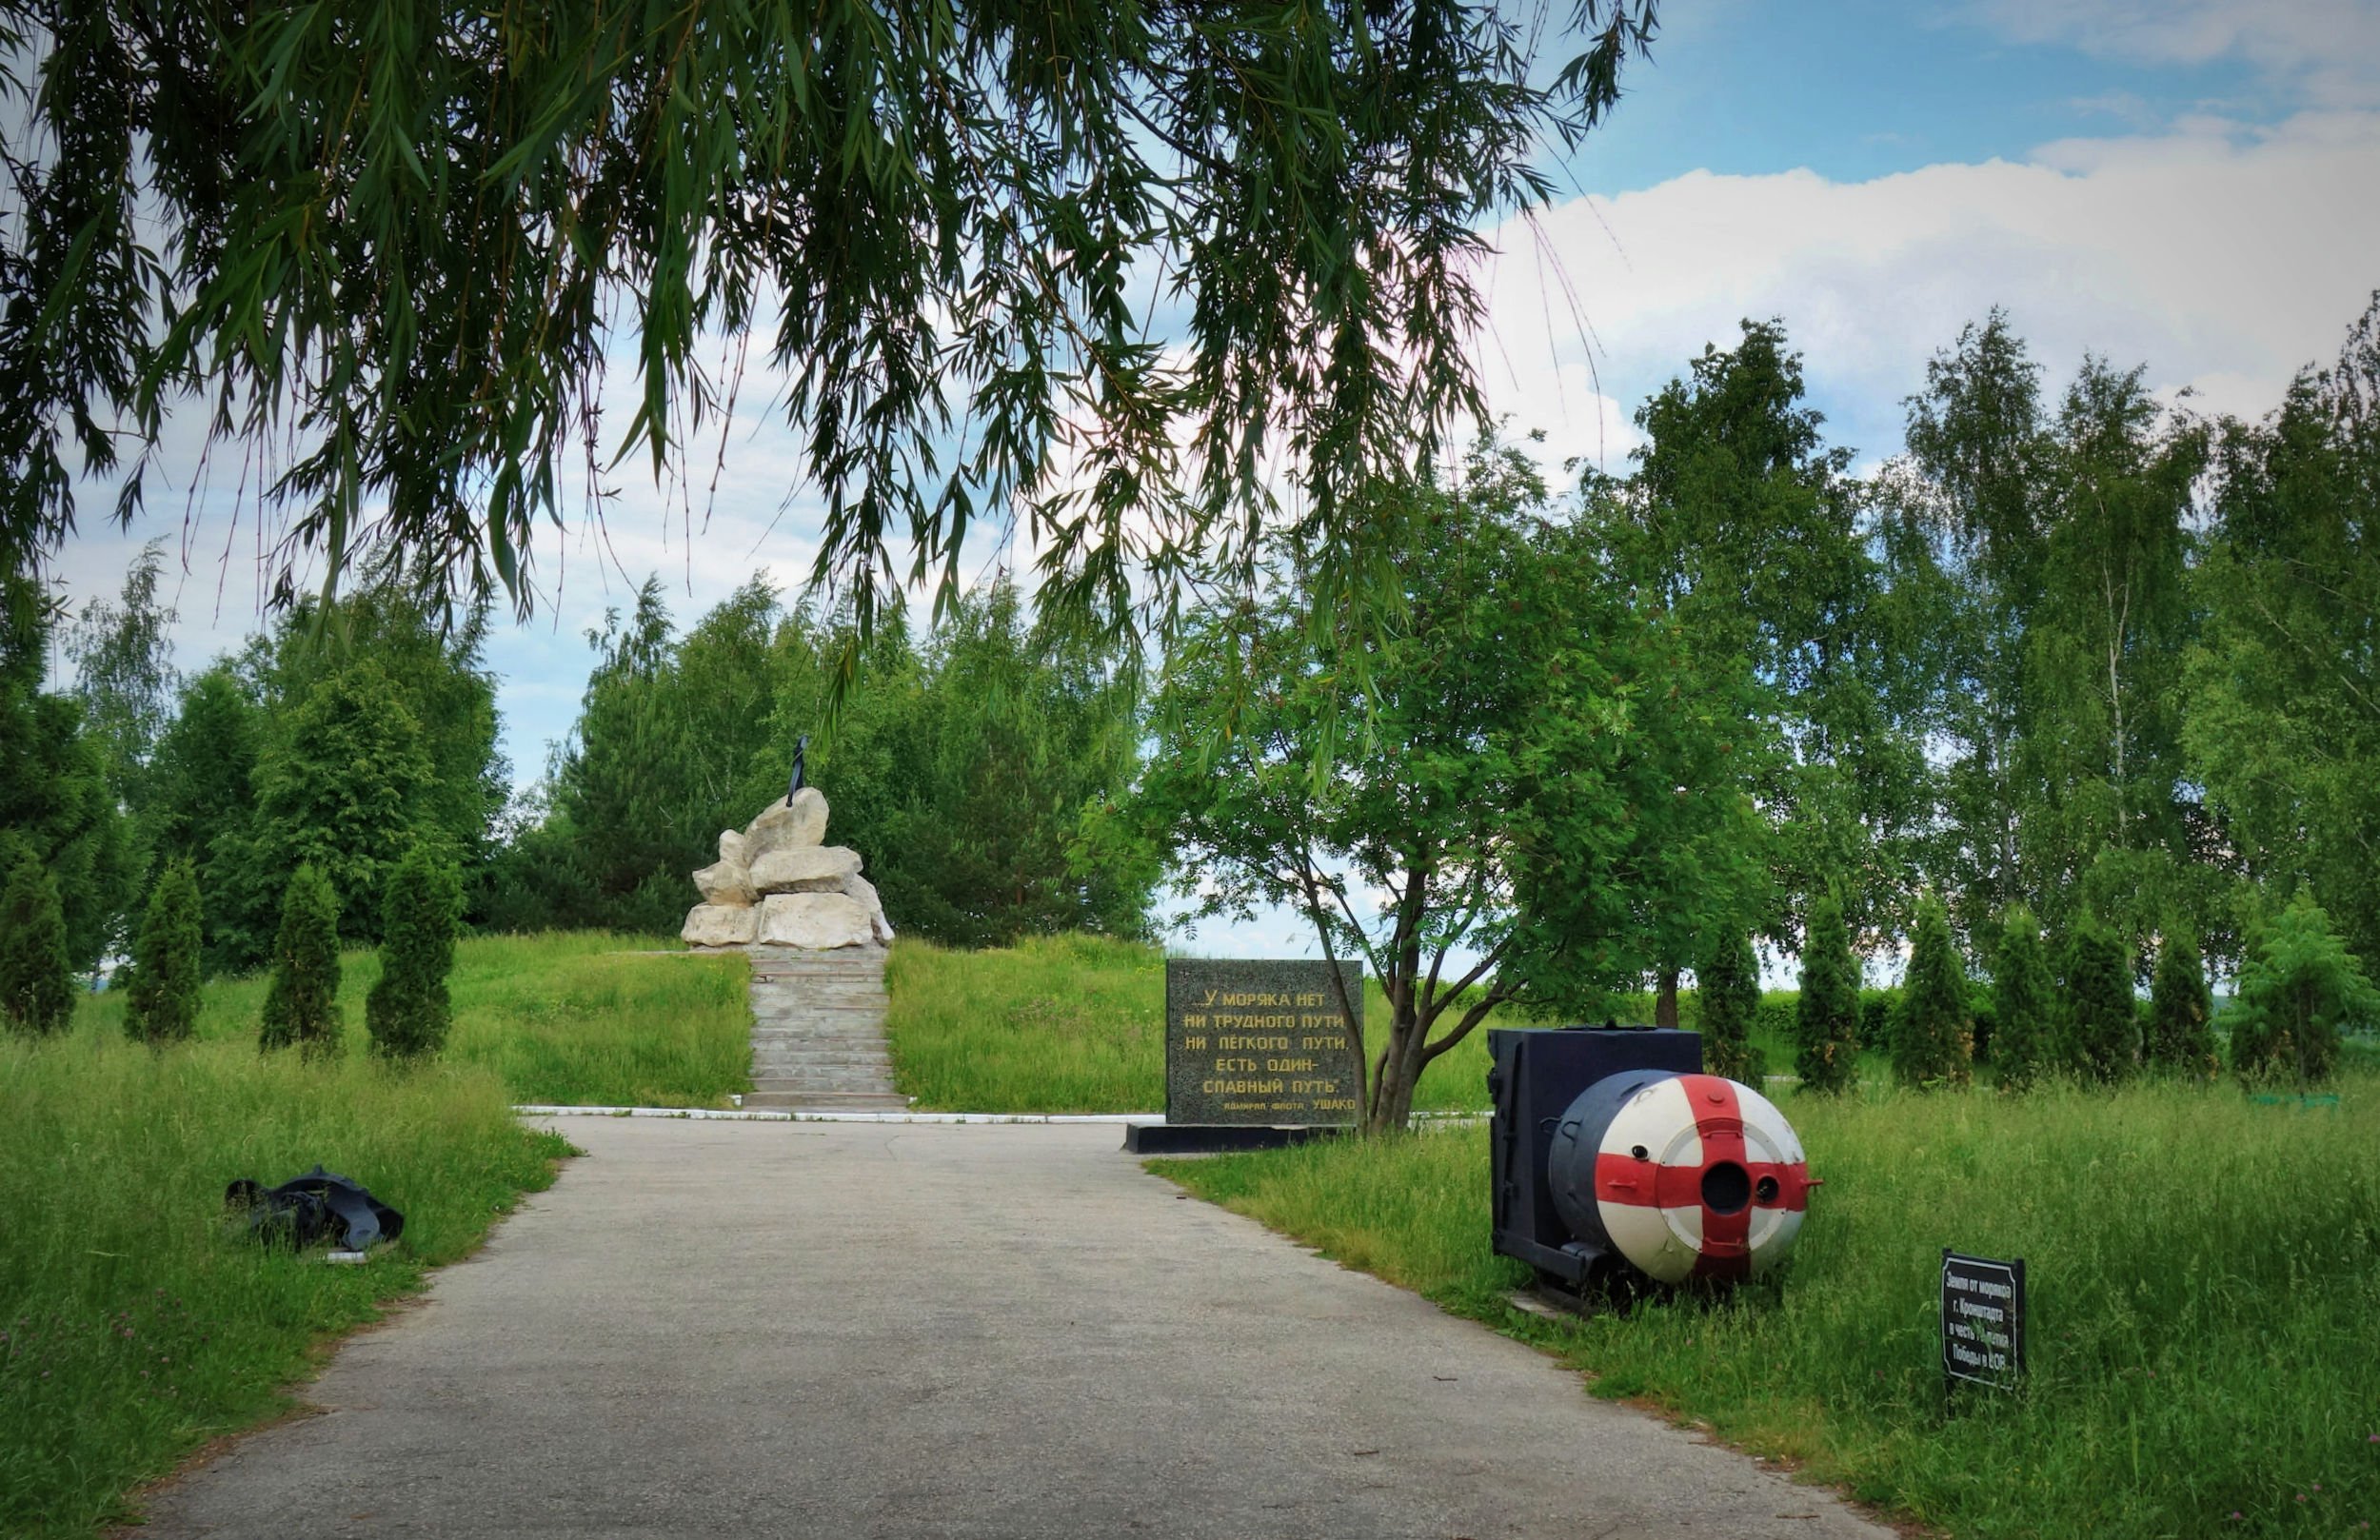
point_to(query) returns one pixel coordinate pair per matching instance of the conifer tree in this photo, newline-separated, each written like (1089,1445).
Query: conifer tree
(2023,1019)
(163,1003)
(36,974)
(2298,989)
(1730,986)
(2181,1013)
(408,1011)
(1827,1020)
(302,1007)
(2102,1022)
(1933,1043)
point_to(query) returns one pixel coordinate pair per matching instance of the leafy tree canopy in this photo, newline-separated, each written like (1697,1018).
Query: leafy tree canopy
(1538,805)
(390,250)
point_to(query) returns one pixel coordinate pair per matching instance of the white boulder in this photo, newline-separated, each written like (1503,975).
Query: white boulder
(795,825)
(821,921)
(720,924)
(817,869)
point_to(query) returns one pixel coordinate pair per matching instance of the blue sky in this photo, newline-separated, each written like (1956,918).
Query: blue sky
(2188,184)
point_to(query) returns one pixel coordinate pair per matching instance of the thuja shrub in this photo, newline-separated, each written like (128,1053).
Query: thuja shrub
(163,1005)
(301,1006)
(1933,1044)
(1826,1024)
(2102,1024)
(2023,1022)
(407,1012)
(1728,987)
(2181,1013)
(36,974)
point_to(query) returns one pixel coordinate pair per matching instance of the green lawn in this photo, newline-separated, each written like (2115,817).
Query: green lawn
(1074,1024)
(578,1018)
(134,1330)
(2205,1283)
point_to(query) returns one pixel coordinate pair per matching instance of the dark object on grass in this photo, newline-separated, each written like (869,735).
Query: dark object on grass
(801,752)
(319,1206)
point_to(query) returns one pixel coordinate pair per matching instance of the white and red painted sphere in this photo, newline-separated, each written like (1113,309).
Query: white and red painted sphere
(1687,1177)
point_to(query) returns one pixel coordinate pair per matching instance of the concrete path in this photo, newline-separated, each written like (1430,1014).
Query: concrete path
(831,1330)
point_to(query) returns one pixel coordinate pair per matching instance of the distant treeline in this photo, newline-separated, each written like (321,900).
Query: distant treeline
(2077,648)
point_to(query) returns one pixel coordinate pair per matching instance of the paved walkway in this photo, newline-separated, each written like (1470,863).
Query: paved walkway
(831,1330)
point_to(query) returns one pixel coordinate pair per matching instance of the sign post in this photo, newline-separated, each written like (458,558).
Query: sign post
(1983,1322)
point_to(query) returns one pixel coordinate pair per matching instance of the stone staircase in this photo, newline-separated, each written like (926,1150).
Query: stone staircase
(817,1031)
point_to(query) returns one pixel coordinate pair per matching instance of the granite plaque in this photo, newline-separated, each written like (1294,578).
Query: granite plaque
(1983,1321)
(1259,1042)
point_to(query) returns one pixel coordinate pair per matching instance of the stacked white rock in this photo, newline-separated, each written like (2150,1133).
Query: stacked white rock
(778,885)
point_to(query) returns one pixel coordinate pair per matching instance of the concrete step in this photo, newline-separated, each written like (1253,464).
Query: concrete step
(825,1101)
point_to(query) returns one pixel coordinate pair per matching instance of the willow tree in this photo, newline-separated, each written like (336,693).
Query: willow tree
(1091,267)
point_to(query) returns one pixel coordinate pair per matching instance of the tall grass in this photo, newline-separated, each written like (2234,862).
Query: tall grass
(574,1016)
(2205,1289)
(132,1327)
(1075,1025)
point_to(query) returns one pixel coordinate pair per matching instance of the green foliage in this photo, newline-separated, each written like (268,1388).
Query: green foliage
(2202,1357)
(2179,1033)
(2024,1006)
(1741,520)
(1879,1012)
(1728,985)
(2102,1026)
(56,804)
(2300,987)
(573,1017)
(137,1335)
(162,1005)
(203,804)
(302,1007)
(1826,1022)
(1515,795)
(36,978)
(934,214)
(125,678)
(2283,730)
(409,1010)
(960,768)
(1933,1041)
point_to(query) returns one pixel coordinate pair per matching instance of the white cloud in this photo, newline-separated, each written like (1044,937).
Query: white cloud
(2225,259)
(2327,52)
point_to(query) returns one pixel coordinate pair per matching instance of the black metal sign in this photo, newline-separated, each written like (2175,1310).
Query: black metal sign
(1983,1321)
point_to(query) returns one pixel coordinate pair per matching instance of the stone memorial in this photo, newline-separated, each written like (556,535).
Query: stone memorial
(778,883)
(1257,1054)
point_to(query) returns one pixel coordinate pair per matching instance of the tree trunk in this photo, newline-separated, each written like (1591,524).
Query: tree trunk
(1665,1003)
(1400,1067)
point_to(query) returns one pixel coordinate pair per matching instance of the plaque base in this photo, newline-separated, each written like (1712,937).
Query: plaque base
(1217,1138)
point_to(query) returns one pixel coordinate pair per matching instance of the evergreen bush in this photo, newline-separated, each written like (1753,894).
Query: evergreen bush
(301,1006)
(1878,1011)
(2023,1019)
(408,1011)
(2102,1024)
(2301,985)
(163,1007)
(36,972)
(1932,1043)
(2180,1035)
(1728,993)
(1827,1022)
